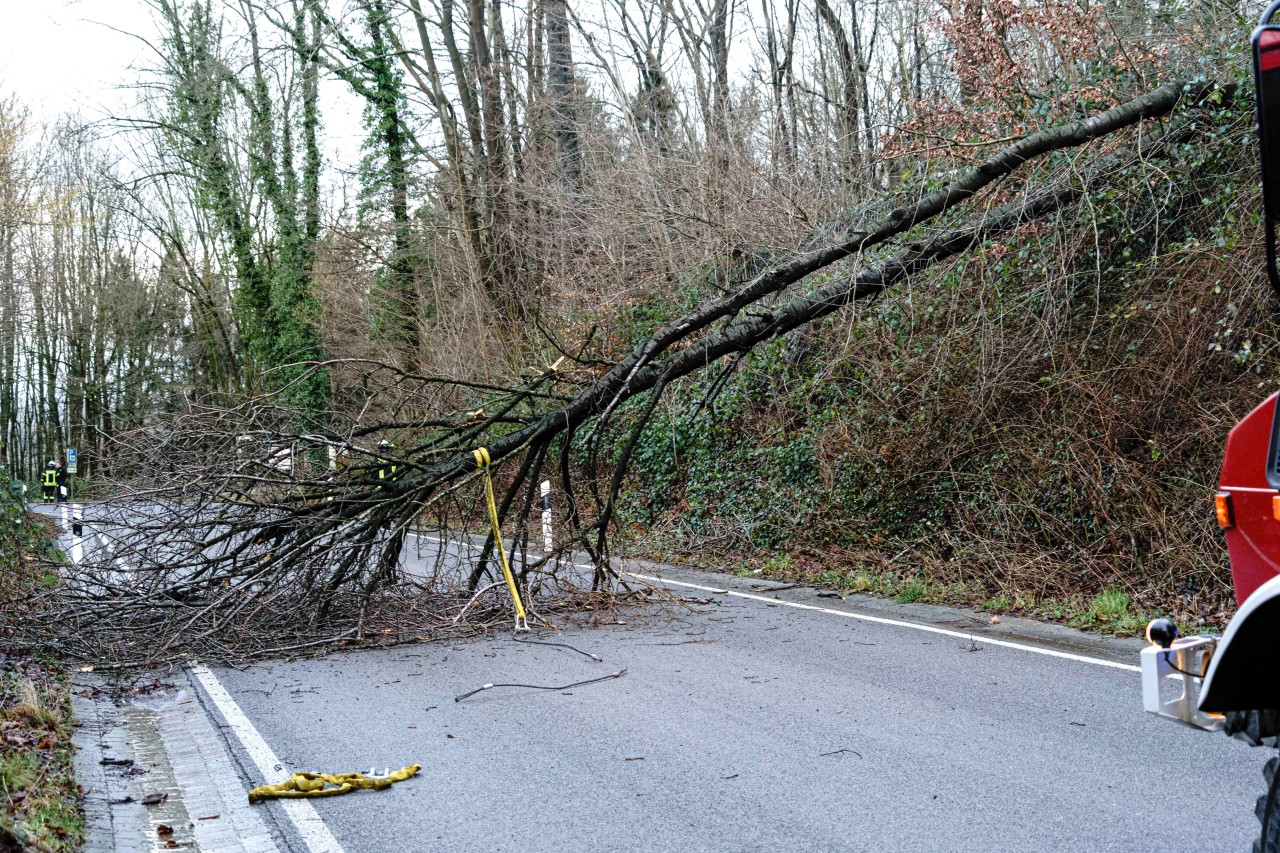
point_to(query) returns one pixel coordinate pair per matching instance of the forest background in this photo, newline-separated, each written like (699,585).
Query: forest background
(1034,425)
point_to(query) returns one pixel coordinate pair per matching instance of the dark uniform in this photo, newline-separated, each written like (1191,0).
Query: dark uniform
(49,483)
(64,483)
(386,469)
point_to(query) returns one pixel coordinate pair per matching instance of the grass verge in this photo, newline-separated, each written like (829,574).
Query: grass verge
(40,802)
(1110,611)
(38,791)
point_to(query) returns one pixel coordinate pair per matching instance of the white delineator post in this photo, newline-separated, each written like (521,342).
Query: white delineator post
(77,532)
(71,516)
(546,517)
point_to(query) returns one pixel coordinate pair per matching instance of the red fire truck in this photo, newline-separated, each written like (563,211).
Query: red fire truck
(1222,682)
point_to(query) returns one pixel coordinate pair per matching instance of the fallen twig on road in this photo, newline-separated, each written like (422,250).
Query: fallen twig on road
(594,657)
(618,674)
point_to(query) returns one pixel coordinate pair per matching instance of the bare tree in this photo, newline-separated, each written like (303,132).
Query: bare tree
(252,538)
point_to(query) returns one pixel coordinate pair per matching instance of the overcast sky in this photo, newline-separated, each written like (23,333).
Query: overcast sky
(62,56)
(76,56)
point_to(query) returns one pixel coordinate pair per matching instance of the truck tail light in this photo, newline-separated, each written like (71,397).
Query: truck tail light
(1226,512)
(1275,507)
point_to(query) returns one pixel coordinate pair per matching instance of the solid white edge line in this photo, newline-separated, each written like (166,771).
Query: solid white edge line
(301,813)
(879,620)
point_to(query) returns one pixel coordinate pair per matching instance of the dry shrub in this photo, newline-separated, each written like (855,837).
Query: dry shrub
(651,216)
(1065,457)
(32,710)
(1041,420)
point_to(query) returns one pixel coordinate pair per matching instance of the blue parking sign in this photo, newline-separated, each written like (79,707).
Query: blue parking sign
(71,460)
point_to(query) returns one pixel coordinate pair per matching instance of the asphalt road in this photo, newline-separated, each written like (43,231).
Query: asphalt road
(745,726)
(745,720)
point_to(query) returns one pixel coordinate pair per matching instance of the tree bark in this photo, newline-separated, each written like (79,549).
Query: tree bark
(563,91)
(848,126)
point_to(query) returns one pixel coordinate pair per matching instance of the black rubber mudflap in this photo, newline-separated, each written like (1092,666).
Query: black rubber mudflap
(1267,810)
(1256,728)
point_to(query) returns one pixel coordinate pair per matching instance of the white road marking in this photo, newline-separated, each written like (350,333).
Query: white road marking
(310,827)
(111,549)
(879,620)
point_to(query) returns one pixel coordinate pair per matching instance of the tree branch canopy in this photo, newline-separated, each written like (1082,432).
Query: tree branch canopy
(629,377)
(241,530)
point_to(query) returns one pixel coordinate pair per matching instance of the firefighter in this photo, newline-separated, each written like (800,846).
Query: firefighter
(49,483)
(64,483)
(386,468)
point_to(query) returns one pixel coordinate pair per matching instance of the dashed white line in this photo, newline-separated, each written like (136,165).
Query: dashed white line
(313,831)
(879,620)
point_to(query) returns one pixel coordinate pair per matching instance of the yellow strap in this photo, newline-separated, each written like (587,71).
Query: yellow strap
(482,462)
(317,784)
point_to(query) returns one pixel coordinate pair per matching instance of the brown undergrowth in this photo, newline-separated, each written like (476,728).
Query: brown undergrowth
(40,805)
(38,791)
(1036,428)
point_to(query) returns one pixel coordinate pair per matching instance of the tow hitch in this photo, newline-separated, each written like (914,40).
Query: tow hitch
(1170,659)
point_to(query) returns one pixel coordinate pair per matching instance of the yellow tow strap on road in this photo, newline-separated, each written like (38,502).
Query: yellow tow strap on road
(317,784)
(482,462)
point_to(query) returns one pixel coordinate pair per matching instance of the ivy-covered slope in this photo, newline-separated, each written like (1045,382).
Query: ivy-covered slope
(1036,426)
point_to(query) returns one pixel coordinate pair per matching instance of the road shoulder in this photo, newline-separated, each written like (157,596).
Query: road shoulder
(158,740)
(1009,628)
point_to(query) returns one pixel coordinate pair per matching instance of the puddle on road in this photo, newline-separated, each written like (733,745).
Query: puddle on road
(142,721)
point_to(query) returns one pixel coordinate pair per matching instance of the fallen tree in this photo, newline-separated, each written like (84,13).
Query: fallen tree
(217,547)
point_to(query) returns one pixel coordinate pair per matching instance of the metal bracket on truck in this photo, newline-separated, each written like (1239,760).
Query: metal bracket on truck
(1173,676)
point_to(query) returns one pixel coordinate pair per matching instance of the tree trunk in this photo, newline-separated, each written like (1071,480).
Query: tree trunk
(563,92)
